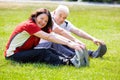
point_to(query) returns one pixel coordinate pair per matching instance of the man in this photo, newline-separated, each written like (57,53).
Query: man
(59,16)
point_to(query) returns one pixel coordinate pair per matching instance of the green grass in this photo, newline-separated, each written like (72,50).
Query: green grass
(101,22)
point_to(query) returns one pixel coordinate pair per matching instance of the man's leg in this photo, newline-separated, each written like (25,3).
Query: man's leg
(70,52)
(58,47)
(90,53)
(64,50)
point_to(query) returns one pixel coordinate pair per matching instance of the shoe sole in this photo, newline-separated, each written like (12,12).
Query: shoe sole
(82,57)
(101,51)
(86,57)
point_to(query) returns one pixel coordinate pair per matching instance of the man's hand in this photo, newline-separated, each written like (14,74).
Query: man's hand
(98,42)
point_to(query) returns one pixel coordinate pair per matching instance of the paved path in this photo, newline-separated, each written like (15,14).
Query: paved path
(64,2)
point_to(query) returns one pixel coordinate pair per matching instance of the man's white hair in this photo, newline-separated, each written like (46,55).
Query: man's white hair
(62,8)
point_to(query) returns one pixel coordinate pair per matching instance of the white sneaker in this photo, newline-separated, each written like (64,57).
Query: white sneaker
(75,61)
(86,57)
(81,57)
(78,59)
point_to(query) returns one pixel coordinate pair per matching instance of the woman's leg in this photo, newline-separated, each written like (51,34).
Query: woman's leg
(48,56)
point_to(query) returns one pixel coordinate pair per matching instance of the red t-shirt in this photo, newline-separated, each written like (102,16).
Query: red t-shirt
(22,38)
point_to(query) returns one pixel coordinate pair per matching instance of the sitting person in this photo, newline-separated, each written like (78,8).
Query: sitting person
(59,16)
(27,35)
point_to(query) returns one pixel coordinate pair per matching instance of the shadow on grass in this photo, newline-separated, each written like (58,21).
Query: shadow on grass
(39,65)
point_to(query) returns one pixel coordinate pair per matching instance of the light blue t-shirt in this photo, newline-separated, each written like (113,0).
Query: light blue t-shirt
(65,25)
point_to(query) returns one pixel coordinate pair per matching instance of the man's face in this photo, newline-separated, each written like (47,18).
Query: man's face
(59,17)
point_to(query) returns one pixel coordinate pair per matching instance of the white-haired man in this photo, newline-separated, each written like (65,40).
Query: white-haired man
(59,16)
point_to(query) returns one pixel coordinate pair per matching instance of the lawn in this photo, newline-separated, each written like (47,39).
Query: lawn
(101,22)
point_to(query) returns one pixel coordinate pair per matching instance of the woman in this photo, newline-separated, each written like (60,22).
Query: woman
(27,35)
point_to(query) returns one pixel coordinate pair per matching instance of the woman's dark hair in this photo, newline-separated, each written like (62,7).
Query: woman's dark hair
(43,11)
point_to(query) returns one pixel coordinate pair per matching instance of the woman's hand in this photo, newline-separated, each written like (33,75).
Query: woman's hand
(75,45)
(81,43)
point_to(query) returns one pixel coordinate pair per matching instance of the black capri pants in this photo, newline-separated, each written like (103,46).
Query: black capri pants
(45,55)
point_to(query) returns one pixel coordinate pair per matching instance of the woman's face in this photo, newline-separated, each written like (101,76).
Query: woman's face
(42,20)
